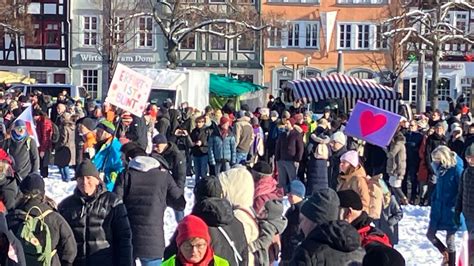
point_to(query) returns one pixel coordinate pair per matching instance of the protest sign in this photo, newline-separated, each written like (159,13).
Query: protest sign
(372,124)
(129,90)
(27,117)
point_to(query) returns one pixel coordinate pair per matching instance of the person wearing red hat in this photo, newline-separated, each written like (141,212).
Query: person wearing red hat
(222,147)
(194,245)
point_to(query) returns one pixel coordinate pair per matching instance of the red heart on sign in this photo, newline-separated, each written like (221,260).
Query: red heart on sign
(370,123)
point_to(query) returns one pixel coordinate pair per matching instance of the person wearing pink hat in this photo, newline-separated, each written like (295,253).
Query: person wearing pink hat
(353,176)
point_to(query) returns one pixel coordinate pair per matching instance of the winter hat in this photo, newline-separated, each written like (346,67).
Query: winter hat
(350,199)
(87,168)
(19,123)
(297,188)
(351,157)
(380,255)
(286,115)
(458,128)
(274,114)
(264,111)
(240,114)
(208,187)
(89,123)
(107,126)
(190,227)
(470,150)
(160,139)
(273,209)
(32,184)
(224,120)
(263,168)
(322,206)
(339,137)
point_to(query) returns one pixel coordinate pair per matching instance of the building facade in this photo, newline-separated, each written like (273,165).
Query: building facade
(42,52)
(315,31)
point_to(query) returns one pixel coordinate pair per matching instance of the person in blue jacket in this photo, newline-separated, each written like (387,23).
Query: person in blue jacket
(222,147)
(448,168)
(107,158)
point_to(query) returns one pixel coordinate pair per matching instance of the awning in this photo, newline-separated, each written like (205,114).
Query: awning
(340,86)
(229,87)
(10,78)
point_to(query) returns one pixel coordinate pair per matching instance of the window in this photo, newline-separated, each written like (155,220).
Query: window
(217,43)
(413,90)
(312,35)
(309,73)
(274,39)
(35,38)
(59,78)
(295,1)
(467,85)
(189,42)
(381,41)
(90,30)
(345,33)
(246,42)
(245,77)
(363,36)
(361,74)
(52,34)
(119,28)
(145,32)
(443,89)
(39,76)
(217,1)
(90,82)
(293,35)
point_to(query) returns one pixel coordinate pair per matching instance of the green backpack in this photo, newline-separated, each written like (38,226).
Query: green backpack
(35,237)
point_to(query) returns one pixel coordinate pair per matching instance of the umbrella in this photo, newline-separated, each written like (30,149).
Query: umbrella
(10,77)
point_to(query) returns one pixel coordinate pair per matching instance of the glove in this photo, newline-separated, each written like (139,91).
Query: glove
(457,218)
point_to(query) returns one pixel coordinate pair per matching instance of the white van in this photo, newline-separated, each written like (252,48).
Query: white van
(76,92)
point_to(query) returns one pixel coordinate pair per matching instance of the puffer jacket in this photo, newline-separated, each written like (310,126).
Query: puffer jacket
(14,256)
(333,170)
(164,124)
(223,227)
(25,155)
(108,160)
(238,188)
(465,199)
(266,189)
(101,228)
(397,157)
(332,244)
(376,196)
(412,145)
(144,188)
(291,237)
(222,149)
(243,134)
(62,237)
(177,162)
(357,182)
(392,214)
(44,130)
(9,191)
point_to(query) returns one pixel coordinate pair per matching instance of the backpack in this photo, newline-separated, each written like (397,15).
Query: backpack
(35,237)
(56,135)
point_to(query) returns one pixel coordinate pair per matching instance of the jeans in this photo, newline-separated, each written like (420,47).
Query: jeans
(44,162)
(241,157)
(64,171)
(222,167)
(200,166)
(179,215)
(150,262)
(450,240)
(286,172)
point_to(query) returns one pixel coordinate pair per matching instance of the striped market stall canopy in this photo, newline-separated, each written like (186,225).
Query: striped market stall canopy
(338,86)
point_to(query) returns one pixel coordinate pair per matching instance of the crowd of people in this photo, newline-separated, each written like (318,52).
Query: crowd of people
(346,196)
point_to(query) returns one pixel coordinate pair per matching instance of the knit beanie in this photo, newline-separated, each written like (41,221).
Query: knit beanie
(339,137)
(263,168)
(297,188)
(380,255)
(208,187)
(470,150)
(191,227)
(89,123)
(87,168)
(19,123)
(352,157)
(160,139)
(350,199)
(32,184)
(107,126)
(322,207)
(274,114)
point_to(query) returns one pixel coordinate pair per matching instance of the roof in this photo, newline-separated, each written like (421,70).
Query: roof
(228,87)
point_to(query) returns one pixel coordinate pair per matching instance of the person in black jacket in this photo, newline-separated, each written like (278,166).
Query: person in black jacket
(164,122)
(327,241)
(8,182)
(99,221)
(338,147)
(412,144)
(145,200)
(199,137)
(134,129)
(225,230)
(62,237)
(436,139)
(11,249)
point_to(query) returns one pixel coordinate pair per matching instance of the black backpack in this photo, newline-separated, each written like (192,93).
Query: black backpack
(56,135)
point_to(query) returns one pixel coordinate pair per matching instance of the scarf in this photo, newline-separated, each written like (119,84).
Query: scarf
(17,137)
(208,257)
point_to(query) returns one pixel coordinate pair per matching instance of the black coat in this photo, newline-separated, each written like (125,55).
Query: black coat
(201,134)
(334,161)
(216,212)
(177,163)
(164,125)
(101,228)
(376,160)
(457,146)
(291,237)
(433,142)
(62,237)
(144,189)
(175,117)
(316,174)
(413,142)
(137,132)
(335,243)
(13,241)
(9,191)
(25,155)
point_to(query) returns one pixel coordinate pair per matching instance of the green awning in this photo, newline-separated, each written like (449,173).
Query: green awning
(229,87)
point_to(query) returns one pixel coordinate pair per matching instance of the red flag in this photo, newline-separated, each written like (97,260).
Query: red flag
(27,116)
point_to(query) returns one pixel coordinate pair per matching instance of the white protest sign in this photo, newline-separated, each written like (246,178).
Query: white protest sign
(129,90)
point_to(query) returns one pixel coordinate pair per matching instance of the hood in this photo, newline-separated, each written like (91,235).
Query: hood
(268,185)
(143,163)
(362,221)
(359,172)
(339,235)
(214,211)
(238,186)
(172,148)
(244,119)
(399,137)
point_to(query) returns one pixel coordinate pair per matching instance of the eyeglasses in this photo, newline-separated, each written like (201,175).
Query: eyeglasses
(198,246)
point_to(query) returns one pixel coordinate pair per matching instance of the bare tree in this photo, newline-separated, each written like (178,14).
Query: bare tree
(14,22)
(428,28)
(178,18)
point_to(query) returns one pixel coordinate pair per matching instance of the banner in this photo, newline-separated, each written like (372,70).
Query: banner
(129,90)
(27,116)
(372,124)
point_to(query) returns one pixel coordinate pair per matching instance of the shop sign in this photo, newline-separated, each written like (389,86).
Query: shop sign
(122,59)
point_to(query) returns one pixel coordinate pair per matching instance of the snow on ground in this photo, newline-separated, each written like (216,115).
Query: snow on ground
(413,244)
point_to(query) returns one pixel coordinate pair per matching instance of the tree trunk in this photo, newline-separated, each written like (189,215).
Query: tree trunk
(172,54)
(435,78)
(421,86)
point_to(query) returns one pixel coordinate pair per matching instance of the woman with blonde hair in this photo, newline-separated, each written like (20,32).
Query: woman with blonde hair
(448,168)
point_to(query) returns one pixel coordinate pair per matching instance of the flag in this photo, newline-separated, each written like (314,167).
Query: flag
(27,116)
